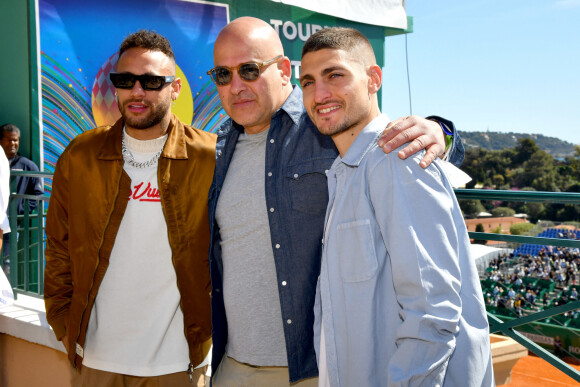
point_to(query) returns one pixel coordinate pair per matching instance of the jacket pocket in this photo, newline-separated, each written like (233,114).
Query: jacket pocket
(356,251)
(308,186)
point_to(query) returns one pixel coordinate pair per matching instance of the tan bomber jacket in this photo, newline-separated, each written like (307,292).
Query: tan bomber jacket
(90,193)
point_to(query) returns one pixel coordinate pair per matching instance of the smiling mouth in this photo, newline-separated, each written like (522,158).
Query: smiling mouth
(328,110)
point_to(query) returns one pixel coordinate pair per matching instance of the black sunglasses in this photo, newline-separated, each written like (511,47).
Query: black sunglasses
(148,82)
(248,71)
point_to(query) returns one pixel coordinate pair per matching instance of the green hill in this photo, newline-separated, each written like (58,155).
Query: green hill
(498,141)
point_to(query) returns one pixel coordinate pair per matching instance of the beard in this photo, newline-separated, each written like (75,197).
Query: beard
(353,114)
(156,115)
(336,128)
(346,124)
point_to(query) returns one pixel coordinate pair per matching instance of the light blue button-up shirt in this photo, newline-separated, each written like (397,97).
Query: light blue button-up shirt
(398,293)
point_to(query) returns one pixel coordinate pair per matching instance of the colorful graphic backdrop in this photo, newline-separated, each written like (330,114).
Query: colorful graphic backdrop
(79,42)
(78,48)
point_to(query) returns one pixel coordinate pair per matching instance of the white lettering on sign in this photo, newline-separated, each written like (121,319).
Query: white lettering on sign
(295,68)
(539,338)
(573,349)
(290,30)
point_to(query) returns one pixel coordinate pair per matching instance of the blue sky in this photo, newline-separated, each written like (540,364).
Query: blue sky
(509,66)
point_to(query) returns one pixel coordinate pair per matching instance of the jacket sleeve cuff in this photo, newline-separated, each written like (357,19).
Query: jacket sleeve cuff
(455,153)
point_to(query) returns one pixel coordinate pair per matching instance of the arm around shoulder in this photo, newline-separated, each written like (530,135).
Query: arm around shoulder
(456,151)
(418,133)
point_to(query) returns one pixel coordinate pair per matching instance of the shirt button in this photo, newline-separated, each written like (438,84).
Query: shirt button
(283,283)
(277,245)
(219,153)
(288,321)
(271,141)
(269,173)
(296,176)
(272,209)
(326,171)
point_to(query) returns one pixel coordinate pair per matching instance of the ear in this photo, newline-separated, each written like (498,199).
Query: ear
(375,78)
(175,88)
(285,69)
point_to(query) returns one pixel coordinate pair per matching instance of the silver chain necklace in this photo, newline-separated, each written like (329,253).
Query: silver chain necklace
(128,156)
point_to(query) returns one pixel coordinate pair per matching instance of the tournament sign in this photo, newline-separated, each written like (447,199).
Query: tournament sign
(79,43)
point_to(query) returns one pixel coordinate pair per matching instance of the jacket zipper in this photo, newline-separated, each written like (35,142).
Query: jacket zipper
(160,184)
(190,373)
(95,269)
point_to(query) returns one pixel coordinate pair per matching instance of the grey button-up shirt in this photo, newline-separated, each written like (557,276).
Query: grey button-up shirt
(398,293)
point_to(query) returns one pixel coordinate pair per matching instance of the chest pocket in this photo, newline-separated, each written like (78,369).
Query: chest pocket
(308,186)
(356,250)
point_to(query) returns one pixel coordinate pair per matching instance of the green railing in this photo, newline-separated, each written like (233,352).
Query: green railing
(508,327)
(24,257)
(27,273)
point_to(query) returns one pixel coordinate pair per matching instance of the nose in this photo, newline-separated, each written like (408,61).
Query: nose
(321,92)
(237,84)
(137,90)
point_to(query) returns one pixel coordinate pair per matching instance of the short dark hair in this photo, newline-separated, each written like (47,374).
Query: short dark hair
(338,38)
(149,40)
(10,128)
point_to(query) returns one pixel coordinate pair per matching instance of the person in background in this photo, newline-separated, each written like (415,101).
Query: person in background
(4,196)
(6,293)
(10,141)
(27,185)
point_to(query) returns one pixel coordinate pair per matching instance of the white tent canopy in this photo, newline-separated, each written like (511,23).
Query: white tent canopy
(386,13)
(483,254)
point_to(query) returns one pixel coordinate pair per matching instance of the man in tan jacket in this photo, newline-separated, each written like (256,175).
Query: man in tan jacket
(127,285)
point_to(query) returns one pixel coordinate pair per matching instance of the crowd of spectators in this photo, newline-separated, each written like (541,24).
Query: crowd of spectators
(548,279)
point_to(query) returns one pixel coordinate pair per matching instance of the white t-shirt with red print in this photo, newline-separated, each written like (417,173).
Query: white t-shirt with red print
(136,325)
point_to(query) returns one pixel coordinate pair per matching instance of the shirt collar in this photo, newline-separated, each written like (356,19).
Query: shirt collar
(365,141)
(175,146)
(293,106)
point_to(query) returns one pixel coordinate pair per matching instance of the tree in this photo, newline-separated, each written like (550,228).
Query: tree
(534,210)
(497,230)
(573,164)
(538,172)
(479,228)
(524,150)
(498,180)
(521,228)
(470,207)
(503,211)
(473,166)
(525,167)
(488,168)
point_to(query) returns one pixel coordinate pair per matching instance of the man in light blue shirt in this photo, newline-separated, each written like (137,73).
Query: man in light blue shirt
(398,299)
